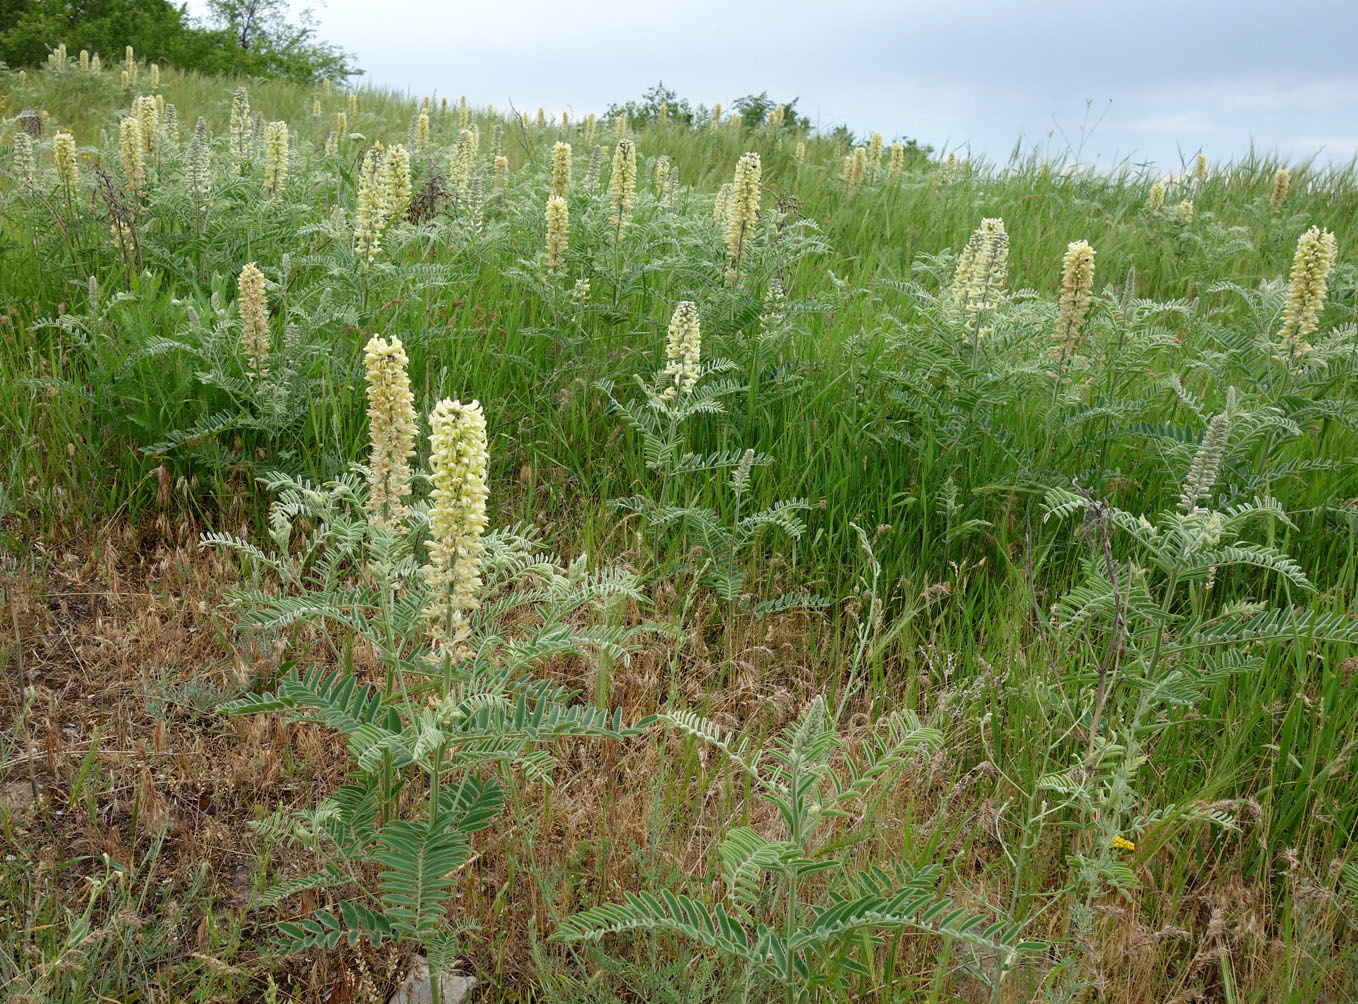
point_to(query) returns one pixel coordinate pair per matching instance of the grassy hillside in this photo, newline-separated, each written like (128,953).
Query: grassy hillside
(1049,591)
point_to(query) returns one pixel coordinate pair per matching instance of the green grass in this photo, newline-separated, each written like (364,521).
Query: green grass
(870,403)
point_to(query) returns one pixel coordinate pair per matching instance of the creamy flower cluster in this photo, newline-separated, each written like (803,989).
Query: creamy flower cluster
(683,352)
(276,158)
(622,185)
(254,320)
(561,168)
(63,152)
(133,153)
(1316,252)
(457,519)
(743,210)
(982,269)
(558,233)
(1077,289)
(391,427)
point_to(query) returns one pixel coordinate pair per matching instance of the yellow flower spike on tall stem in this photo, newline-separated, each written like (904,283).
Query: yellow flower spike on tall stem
(1311,265)
(96,64)
(396,169)
(126,79)
(897,162)
(63,152)
(353,104)
(501,166)
(1200,170)
(558,233)
(799,155)
(325,86)
(744,209)
(370,214)
(716,115)
(133,151)
(155,75)
(662,113)
(254,320)
(542,117)
(683,352)
(422,132)
(316,108)
(457,521)
(25,163)
(391,429)
(341,125)
(464,114)
(721,206)
(199,165)
(660,176)
(1281,181)
(561,168)
(1185,211)
(85,60)
(148,114)
(1156,200)
(240,124)
(982,269)
(875,151)
(737,120)
(591,123)
(565,119)
(1077,290)
(460,166)
(619,125)
(276,158)
(622,186)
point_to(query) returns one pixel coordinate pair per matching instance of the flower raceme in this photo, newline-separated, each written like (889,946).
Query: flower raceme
(396,171)
(391,428)
(457,520)
(133,154)
(254,320)
(561,168)
(63,152)
(1281,181)
(683,352)
(371,212)
(1077,289)
(276,158)
(622,185)
(982,269)
(1316,252)
(743,209)
(558,233)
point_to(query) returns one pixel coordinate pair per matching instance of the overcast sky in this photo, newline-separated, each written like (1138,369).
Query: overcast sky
(1184,76)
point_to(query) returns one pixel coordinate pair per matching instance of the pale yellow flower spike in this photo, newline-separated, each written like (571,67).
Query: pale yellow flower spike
(622,186)
(1156,200)
(240,124)
(457,520)
(561,168)
(63,152)
(133,151)
(396,169)
(1316,253)
(897,163)
(25,163)
(276,158)
(371,211)
(558,233)
(391,428)
(875,151)
(254,320)
(1077,289)
(1281,181)
(422,132)
(683,352)
(744,208)
(982,269)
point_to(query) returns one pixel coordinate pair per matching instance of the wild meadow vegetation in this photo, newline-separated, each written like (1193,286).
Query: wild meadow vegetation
(664,557)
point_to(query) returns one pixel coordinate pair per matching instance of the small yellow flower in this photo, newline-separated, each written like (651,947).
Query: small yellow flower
(1123,844)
